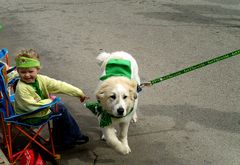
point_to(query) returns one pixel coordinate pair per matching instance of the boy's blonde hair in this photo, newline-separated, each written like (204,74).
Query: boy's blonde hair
(29,53)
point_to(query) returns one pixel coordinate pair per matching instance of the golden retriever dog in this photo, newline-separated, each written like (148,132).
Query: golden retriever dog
(117,95)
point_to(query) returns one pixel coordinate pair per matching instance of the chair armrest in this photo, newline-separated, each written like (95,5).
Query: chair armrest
(13,81)
(16,117)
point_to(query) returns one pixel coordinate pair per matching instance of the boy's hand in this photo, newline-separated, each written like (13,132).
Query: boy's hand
(52,97)
(83,98)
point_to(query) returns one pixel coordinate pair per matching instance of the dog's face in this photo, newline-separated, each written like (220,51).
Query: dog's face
(117,95)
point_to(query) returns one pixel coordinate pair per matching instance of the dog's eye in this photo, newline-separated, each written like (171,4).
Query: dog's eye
(113,97)
(124,97)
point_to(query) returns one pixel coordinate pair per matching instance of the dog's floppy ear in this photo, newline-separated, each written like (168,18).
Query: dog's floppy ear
(100,94)
(133,91)
(135,95)
(133,84)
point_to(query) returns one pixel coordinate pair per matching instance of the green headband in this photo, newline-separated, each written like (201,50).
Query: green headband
(24,62)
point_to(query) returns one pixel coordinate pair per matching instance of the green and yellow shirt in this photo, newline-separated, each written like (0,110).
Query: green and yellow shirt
(27,97)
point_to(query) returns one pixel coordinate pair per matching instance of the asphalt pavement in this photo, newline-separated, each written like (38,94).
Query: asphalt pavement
(192,119)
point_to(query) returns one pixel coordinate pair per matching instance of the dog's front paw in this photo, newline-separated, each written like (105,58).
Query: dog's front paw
(128,148)
(124,149)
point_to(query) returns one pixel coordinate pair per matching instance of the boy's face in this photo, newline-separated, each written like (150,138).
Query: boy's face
(28,75)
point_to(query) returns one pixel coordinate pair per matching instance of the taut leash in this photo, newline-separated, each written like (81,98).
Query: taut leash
(189,69)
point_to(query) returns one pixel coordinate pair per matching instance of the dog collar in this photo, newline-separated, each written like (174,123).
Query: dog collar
(106,118)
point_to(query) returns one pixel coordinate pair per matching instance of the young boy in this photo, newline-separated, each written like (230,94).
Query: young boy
(33,90)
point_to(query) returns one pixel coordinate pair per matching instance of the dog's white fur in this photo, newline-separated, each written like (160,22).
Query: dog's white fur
(118,93)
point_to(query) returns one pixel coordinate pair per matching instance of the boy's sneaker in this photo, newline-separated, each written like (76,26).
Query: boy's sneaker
(83,139)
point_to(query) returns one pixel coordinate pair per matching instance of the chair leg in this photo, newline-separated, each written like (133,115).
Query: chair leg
(39,136)
(51,138)
(33,139)
(9,142)
(3,129)
(7,137)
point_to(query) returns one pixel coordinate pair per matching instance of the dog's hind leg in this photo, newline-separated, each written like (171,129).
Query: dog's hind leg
(135,117)
(113,141)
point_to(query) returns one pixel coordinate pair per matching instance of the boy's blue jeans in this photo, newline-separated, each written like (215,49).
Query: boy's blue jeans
(65,128)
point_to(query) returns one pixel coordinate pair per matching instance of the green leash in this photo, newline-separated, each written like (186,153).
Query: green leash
(191,68)
(1,26)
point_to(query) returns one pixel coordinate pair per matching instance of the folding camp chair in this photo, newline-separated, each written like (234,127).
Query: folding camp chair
(10,120)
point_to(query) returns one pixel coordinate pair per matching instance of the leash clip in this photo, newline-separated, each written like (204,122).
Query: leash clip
(140,87)
(145,84)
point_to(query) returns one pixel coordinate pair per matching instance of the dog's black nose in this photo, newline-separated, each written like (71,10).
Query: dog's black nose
(120,111)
